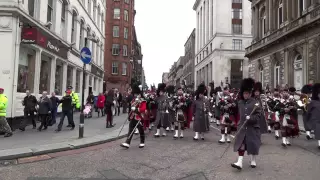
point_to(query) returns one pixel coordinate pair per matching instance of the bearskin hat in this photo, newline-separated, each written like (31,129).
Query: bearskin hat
(292,89)
(247,84)
(315,91)
(306,89)
(170,89)
(135,89)
(161,87)
(201,89)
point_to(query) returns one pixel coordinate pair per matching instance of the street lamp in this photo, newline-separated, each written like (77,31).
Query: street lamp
(81,124)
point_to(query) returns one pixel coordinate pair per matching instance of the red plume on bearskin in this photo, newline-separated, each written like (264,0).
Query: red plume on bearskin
(315,91)
(307,89)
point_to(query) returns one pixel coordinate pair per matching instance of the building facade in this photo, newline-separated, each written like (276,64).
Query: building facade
(43,39)
(136,60)
(119,44)
(165,77)
(188,60)
(285,49)
(223,30)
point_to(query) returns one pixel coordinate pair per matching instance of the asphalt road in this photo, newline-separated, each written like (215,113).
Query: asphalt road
(168,159)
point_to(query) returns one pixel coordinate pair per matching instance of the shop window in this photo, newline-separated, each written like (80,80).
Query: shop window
(45,70)
(26,70)
(78,81)
(95,84)
(58,78)
(90,81)
(69,76)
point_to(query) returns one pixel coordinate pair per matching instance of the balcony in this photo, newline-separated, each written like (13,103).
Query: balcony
(294,26)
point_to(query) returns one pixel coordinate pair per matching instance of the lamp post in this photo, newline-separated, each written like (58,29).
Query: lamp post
(81,124)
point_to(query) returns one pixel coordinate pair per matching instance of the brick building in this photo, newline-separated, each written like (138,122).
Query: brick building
(119,44)
(285,49)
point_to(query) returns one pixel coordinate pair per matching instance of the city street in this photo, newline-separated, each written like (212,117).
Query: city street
(168,159)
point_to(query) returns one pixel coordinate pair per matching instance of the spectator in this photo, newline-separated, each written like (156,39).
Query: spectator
(100,104)
(44,108)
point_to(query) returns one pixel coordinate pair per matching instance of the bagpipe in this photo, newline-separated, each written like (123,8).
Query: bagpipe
(136,105)
(228,108)
(288,110)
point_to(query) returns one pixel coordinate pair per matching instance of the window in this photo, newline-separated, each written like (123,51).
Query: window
(236,13)
(69,76)
(102,23)
(97,53)
(45,72)
(125,50)
(236,1)
(124,69)
(31,8)
(280,13)
(126,32)
(94,10)
(73,27)
(116,31)
(237,28)
(89,7)
(58,78)
(302,6)
(127,1)
(263,25)
(94,49)
(237,44)
(211,47)
(50,11)
(276,75)
(63,20)
(126,15)
(78,81)
(98,18)
(94,84)
(114,67)
(261,74)
(115,49)
(26,70)
(81,44)
(116,13)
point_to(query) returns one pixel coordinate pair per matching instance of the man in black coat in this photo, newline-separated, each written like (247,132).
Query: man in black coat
(54,108)
(118,97)
(66,111)
(29,102)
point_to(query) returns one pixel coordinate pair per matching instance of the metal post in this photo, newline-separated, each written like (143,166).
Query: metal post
(81,124)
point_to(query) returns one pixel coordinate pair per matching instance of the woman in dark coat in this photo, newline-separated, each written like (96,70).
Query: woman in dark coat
(314,111)
(248,137)
(108,108)
(200,110)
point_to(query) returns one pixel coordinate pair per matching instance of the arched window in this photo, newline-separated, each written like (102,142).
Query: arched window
(50,12)
(263,22)
(98,52)
(88,34)
(73,26)
(99,17)
(81,44)
(94,10)
(276,70)
(89,7)
(63,25)
(280,13)
(94,48)
(102,22)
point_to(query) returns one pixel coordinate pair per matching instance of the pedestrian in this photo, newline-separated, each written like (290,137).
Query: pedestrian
(45,107)
(54,108)
(4,126)
(75,103)
(138,108)
(109,106)
(90,102)
(66,110)
(100,104)
(248,137)
(118,99)
(29,102)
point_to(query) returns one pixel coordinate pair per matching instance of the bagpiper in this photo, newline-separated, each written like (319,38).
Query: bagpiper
(170,90)
(314,111)
(257,92)
(138,108)
(200,109)
(180,109)
(162,120)
(248,137)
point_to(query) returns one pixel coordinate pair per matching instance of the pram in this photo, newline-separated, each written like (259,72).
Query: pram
(87,110)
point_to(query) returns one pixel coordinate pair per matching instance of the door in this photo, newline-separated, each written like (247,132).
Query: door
(298,79)
(90,89)
(236,73)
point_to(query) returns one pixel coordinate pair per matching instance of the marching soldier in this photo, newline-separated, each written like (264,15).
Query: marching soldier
(4,126)
(162,120)
(136,115)
(200,109)
(248,137)
(314,111)
(257,91)
(305,98)
(180,105)
(171,111)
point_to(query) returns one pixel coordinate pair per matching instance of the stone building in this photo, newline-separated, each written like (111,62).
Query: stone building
(165,77)
(223,30)
(285,49)
(40,47)
(188,60)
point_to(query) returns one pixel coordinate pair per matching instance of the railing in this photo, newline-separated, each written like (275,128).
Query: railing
(293,25)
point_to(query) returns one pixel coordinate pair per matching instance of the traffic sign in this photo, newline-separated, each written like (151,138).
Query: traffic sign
(85,55)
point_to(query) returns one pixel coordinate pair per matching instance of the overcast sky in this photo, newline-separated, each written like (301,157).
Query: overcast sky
(163,27)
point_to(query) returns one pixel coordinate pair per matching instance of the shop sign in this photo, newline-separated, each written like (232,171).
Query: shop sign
(96,71)
(45,40)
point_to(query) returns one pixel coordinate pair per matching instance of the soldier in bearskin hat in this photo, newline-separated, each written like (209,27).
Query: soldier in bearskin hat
(170,90)
(138,108)
(201,109)
(305,98)
(248,137)
(162,115)
(256,93)
(314,111)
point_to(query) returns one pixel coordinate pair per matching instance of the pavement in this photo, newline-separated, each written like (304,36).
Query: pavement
(167,159)
(32,142)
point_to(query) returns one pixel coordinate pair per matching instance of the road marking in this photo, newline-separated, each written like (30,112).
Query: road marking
(220,130)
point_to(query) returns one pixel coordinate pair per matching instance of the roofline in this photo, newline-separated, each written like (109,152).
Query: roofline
(192,33)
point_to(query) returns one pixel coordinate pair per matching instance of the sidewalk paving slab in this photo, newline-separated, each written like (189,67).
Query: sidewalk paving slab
(44,149)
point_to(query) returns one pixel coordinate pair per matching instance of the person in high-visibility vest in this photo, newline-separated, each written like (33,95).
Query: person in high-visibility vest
(75,101)
(3,113)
